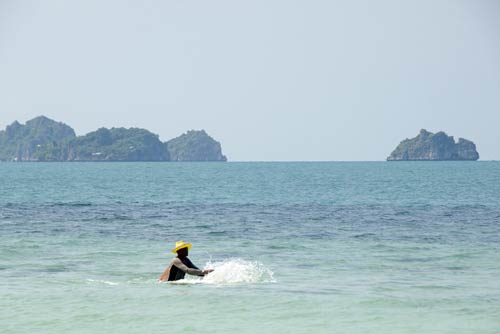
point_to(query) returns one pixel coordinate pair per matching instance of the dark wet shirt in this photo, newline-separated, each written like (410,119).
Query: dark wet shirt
(179,267)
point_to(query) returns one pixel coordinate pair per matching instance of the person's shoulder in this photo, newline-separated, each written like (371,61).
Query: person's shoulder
(176,260)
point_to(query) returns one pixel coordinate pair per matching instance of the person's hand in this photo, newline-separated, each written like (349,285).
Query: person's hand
(207,271)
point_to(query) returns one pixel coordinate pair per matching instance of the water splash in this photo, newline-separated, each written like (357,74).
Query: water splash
(233,271)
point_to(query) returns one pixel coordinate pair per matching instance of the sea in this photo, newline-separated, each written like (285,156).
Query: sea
(296,247)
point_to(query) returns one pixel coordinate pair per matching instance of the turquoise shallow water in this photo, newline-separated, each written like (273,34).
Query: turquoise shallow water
(298,247)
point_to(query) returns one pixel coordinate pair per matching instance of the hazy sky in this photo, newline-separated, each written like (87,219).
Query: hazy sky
(271,80)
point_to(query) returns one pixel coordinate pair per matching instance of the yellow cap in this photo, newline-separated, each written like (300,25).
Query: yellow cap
(179,245)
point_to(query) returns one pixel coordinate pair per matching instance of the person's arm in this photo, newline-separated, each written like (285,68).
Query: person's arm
(191,265)
(165,274)
(191,271)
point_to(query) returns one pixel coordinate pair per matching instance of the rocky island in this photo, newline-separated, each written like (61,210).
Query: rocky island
(43,139)
(434,146)
(194,146)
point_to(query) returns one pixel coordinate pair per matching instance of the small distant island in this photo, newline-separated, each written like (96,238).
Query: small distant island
(434,147)
(43,139)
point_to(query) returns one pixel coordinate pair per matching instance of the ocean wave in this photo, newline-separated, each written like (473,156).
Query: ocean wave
(69,204)
(100,282)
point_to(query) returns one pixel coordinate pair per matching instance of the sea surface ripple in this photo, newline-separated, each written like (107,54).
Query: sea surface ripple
(332,247)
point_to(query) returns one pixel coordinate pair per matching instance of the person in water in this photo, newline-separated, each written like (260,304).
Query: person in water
(181,265)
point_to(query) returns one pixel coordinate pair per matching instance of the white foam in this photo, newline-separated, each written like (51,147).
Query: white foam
(233,271)
(101,281)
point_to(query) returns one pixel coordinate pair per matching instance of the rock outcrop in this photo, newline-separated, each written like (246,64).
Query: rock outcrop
(194,146)
(430,146)
(40,139)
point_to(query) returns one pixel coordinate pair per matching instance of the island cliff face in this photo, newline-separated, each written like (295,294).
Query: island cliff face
(430,146)
(42,139)
(194,146)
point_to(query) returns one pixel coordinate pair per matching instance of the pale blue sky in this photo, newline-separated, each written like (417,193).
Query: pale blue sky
(271,80)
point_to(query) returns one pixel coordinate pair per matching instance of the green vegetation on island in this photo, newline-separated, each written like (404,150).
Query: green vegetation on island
(118,144)
(42,139)
(438,146)
(194,146)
